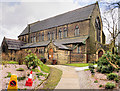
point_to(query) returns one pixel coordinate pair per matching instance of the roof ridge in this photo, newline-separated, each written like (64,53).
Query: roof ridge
(71,16)
(63,13)
(12,39)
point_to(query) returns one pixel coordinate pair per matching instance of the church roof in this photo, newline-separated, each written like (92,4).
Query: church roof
(13,44)
(61,44)
(38,44)
(79,14)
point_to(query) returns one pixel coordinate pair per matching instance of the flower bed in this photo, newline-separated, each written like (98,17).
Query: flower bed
(11,68)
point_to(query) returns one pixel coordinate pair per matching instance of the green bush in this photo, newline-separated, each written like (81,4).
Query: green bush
(110,85)
(112,76)
(96,81)
(116,80)
(103,64)
(100,85)
(21,78)
(20,69)
(31,60)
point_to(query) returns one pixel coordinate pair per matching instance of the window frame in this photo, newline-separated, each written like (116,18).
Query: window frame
(48,35)
(43,36)
(60,34)
(77,30)
(65,32)
(53,36)
(78,49)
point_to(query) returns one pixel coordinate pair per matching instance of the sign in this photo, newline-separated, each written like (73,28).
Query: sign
(12,83)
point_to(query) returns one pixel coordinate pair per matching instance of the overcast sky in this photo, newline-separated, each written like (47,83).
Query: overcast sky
(16,14)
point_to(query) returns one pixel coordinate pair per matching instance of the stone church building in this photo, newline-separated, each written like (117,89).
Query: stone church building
(75,36)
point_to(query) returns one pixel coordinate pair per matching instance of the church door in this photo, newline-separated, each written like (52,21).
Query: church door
(100,53)
(51,54)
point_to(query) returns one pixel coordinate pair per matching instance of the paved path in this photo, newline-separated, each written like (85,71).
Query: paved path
(73,78)
(84,81)
(69,80)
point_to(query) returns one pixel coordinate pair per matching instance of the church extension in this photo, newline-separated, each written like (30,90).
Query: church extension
(75,36)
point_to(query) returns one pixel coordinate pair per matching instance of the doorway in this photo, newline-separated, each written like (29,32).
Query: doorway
(51,54)
(100,53)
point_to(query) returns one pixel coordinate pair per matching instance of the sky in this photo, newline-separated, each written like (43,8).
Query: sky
(16,14)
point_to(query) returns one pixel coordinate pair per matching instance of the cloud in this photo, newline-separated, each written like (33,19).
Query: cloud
(15,16)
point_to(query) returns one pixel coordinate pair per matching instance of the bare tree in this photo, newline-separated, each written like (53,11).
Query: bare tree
(110,20)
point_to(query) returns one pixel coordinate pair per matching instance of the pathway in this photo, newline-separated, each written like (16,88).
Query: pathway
(73,78)
(69,80)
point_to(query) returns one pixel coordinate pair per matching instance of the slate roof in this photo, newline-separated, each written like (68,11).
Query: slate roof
(59,43)
(14,44)
(38,44)
(80,39)
(66,18)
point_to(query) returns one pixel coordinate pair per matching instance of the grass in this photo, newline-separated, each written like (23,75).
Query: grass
(45,68)
(20,69)
(53,79)
(8,62)
(9,75)
(21,78)
(35,70)
(86,69)
(78,64)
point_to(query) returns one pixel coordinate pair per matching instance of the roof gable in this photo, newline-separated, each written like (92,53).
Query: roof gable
(66,18)
(14,44)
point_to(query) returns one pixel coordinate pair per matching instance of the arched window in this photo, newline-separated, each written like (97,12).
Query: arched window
(77,31)
(65,32)
(39,37)
(98,29)
(48,35)
(78,49)
(60,34)
(31,38)
(52,35)
(42,36)
(34,38)
(25,39)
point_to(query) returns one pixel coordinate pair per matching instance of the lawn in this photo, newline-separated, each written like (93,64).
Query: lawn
(78,64)
(9,62)
(53,79)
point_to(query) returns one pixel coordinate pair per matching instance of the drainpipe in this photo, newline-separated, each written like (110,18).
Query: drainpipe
(28,33)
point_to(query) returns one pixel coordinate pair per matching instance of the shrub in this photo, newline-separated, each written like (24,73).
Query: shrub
(21,78)
(112,76)
(103,63)
(116,80)
(91,67)
(100,85)
(96,81)
(20,69)
(110,85)
(31,60)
